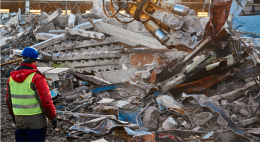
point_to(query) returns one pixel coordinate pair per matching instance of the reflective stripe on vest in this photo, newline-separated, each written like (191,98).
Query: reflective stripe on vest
(23,97)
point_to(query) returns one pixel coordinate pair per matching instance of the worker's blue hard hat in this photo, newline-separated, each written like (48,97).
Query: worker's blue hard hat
(30,52)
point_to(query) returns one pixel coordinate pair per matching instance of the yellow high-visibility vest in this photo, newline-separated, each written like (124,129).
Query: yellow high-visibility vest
(23,97)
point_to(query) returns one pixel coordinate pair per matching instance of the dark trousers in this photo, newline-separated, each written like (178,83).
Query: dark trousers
(30,135)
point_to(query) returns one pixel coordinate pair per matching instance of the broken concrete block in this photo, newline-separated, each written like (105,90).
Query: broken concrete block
(12,23)
(54,15)
(80,20)
(46,28)
(196,128)
(61,21)
(44,15)
(45,56)
(244,112)
(17,53)
(3,32)
(121,104)
(238,106)
(254,131)
(220,121)
(49,42)
(57,32)
(143,74)
(169,124)
(90,34)
(87,25)
(234,117)
(87,55)
(44,69)
(103,94)
(117,76)
(249,121)
(5,16)
(19,29)
(105,101)
(44,22)
(149,42)
(135,26)
(150,119)
(202,118)
(71,21)
(92,15)
(44,36)
(230,137)
(187,126)
(56,74)
(168,102)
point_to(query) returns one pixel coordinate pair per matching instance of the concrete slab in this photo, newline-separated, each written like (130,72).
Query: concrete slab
(44,69)
(49,42)
(54,15)
(44,36)
(118,76)
(149,42)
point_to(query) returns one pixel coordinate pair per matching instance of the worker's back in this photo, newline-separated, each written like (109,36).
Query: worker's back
(29,100)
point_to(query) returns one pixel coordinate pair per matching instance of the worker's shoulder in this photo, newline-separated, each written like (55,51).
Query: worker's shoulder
(38,74)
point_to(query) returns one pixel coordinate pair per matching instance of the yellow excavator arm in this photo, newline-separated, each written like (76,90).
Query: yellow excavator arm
(170,23)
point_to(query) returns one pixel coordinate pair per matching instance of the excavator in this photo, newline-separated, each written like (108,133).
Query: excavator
(170,23)
(175,25)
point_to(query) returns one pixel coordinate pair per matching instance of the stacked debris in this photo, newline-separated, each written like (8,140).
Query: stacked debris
(115,81)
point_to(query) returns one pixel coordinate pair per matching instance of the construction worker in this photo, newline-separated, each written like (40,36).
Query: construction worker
(29,100)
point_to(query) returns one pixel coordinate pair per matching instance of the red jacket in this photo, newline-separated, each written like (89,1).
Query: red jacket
(42,88)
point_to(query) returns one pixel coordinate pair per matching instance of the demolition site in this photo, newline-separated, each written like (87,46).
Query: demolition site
(130,70)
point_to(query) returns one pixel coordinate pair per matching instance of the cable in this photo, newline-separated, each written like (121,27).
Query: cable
(106,12)
(117,12)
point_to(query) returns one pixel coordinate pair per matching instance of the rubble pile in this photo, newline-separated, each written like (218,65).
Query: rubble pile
(114,81)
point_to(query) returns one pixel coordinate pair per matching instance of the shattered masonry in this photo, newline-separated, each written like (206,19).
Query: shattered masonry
(113,80)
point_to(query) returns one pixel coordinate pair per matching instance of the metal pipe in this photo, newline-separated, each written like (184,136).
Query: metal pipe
(11,62)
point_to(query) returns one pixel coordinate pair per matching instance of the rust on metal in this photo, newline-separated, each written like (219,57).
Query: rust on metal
(204,83)
(11,62)
(218,17)
(141,59)
(144,138)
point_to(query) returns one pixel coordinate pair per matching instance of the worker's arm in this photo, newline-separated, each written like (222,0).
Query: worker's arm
(45,96)
(9,100)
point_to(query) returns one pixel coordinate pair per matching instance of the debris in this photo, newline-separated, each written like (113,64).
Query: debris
(150,119)
(254,131)
(100,140)
(222,122)
(54,15)
(169,103)
(158,72)
(249,121)
(202,118)
(169,124)
(86,115)
(49,42)
(206,102)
